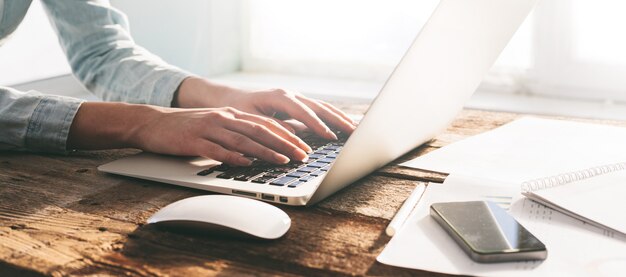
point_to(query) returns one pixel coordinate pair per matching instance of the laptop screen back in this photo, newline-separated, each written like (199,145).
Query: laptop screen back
(439,72)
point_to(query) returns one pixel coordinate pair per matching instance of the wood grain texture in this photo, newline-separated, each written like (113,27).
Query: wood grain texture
(59,216)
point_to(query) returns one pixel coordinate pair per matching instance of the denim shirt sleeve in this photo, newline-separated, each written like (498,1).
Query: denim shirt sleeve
(34,121)
(104,57)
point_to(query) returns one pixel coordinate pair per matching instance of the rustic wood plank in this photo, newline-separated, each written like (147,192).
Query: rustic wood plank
(86,229)
(307,249)
(65,241)
(60,216)
(374,196)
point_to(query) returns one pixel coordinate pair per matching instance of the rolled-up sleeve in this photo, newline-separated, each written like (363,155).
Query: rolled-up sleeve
(104,57)
(34,121)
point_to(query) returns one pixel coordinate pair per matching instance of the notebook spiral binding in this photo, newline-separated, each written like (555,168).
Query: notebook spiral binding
(561,179)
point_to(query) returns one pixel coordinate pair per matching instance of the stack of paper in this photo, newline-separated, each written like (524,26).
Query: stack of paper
(528,148)
(574,248)
(498,162)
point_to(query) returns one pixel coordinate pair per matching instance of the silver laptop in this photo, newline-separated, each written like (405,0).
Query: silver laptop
(437,75)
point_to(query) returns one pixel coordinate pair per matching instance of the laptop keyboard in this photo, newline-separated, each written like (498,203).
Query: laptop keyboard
(292,174)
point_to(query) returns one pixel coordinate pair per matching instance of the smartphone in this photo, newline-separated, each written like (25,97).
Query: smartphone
(487,233)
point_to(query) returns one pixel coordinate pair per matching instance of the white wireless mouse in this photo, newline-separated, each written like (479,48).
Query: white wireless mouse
(226,215)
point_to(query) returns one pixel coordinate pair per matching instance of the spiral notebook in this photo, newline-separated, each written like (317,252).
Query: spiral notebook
(596,195)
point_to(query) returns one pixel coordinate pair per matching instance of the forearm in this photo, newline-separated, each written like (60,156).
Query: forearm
(195,92)
(114,125)
(108,125)
(221,134)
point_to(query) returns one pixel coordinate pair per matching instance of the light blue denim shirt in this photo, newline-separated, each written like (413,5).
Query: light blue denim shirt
(102,55)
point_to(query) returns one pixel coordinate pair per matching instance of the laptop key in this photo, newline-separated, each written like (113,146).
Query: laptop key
(295,164)
(274,174)
(280,170)
(316,164)
(254,171)
(323,152)
(295,184)
(263,179)
(307,178)
(315,156)
(307,169)
(296,174)
(205,172)
(248,174)
(233,172)
(222,167)
(325,160)
(242,177)
(283,181)
(260,163)
(325,168)
(225,175)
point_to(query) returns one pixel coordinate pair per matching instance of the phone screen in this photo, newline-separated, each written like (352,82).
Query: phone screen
(487,232)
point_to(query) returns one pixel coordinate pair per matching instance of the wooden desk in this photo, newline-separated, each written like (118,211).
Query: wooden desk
(60,216)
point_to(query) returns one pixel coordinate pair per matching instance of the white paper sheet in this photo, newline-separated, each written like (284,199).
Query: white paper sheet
(599,199)
(574,248)
(528,148)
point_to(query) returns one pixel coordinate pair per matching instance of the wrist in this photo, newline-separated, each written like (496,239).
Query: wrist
(141,117)
(196,92)
(109,125)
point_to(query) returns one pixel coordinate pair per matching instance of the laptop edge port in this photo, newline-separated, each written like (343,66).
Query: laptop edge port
(283,199)
(267,197)
(244,193)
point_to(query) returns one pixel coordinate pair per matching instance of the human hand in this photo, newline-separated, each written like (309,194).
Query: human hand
(223,134)
(315,114)
(278,103)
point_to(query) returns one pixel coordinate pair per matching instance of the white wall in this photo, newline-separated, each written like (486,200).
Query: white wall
(33,51)
(202,36)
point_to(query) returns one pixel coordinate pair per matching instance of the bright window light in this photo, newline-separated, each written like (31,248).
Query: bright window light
(518,54)
(599,31)
(358,31)
(358,39)
(354,39)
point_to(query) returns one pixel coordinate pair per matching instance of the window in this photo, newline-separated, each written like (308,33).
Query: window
(356,39)
(580,49)
(360,39)
(566,48)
